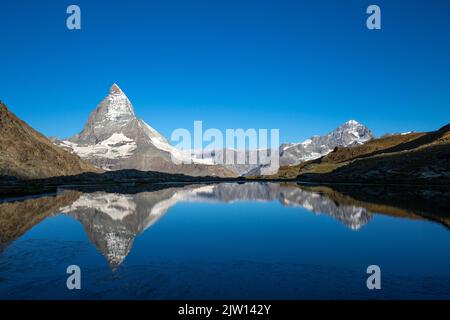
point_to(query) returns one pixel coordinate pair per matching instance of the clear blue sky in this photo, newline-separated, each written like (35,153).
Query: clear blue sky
(301,66)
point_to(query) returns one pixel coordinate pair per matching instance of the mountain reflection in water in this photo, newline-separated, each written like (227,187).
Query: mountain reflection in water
(248,240)
(112,220)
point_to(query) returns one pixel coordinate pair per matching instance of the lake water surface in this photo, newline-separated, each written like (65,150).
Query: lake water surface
(227,241)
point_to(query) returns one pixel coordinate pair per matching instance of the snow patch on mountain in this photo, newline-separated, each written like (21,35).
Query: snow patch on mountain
(115,147)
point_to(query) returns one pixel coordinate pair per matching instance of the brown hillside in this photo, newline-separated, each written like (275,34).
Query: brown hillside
(27,154)
(19,216)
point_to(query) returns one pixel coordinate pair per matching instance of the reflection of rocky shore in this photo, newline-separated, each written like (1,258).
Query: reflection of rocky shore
(17,217)
(431,203)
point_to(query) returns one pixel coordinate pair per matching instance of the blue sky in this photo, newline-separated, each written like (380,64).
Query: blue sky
(304,67)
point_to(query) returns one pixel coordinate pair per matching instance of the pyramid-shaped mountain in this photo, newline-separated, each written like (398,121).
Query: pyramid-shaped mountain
(114,139)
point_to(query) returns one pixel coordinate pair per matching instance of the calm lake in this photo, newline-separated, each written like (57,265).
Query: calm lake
(227,241)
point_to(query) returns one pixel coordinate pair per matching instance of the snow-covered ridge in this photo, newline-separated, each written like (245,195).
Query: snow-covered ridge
(350,133)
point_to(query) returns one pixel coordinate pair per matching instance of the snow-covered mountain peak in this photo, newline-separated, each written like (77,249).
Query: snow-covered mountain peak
(115,89)
(112,115)
(352,122)
(116,106)
(113,138)
(350,133)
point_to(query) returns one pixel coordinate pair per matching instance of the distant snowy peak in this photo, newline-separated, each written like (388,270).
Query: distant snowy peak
(350,133)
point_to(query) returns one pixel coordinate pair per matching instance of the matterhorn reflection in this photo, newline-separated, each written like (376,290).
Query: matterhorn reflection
(113,220)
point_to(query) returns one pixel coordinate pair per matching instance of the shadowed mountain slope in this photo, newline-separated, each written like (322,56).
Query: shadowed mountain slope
(27,154)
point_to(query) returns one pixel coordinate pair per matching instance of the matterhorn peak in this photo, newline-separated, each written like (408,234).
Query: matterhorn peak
(113,138)
(115,89)
(117,104)
(352,122)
